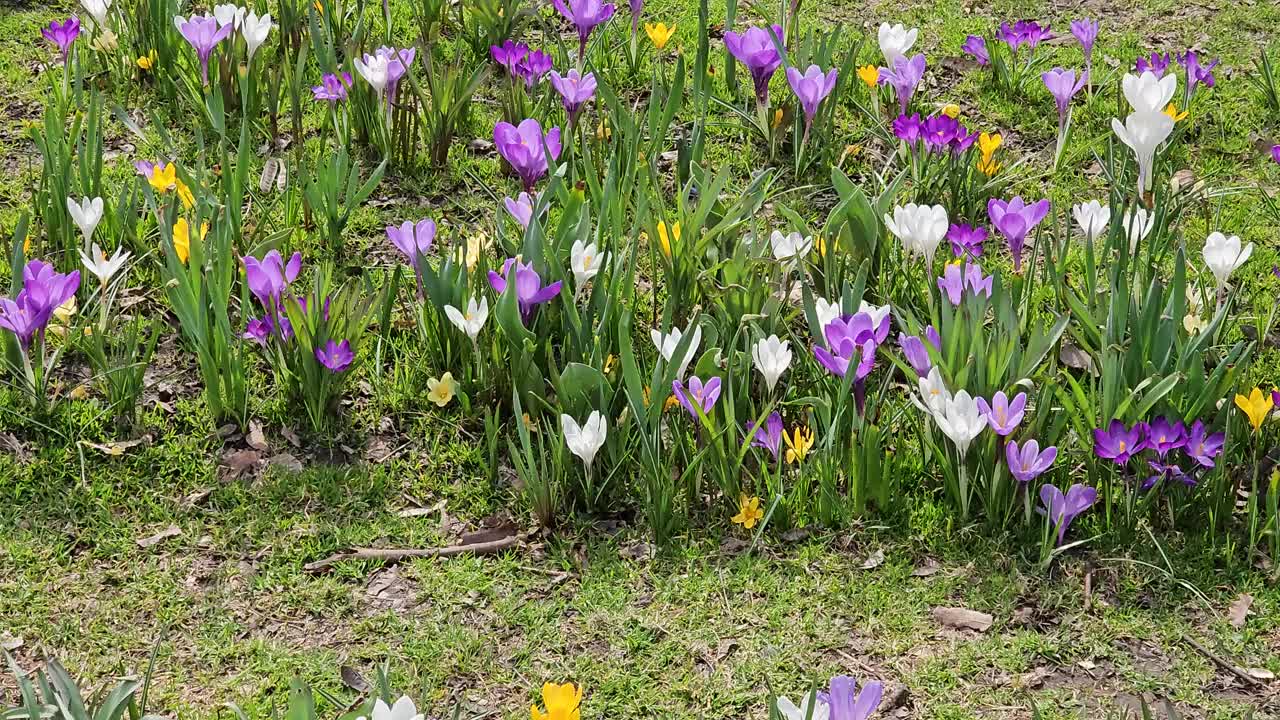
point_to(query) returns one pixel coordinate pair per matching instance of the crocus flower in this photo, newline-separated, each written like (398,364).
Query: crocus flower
(585,16)
(255,30)
(441,390)
(86,215)
(934,394)
(508,55)
(536,66)
(1062,509)
(869,75)
(521,208)
(943,132)
(966,240)
(585,440)
(1138,224)
(659,34)
(258,330)
(1147,92)
(1165,471)
(667,344)
(268,277)
(1027,462)
(749,511)
(44,290)
(825,311)
(1118,443)
(879,315)
(904,75)
(1164,435)
(375,70)
(895,41)
(1223,255)
(1015,219)
(961,420)
(63,34)
(530,292)
(103,267)
(819,710)
(916,353)
(1257,406)
(1202,446)
(97,9)
(636,6)
(1155,63)
(975,282)
(976,46)
(561,702)
(1002,415)
(792,245)
(920,228)
(586,261)
(471,321)
(846,705)
(1063,85)
(1144,132)
(811,88)
(769,436)
(526,149)
(847,336)
(952,283)
(332,88)
(203,33)
(1086,33)
(908,128)
(335,357)
(772,357)
(1092,217)
(575,90)
(756,50)
(228,14)
(412,239)
(1197,74)
(398,63)
(1023,32)
(1275,154)
(697,397)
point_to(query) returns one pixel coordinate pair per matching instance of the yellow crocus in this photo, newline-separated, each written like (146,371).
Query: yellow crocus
(26,247)
(184,194)
(148,61)
(182,238)
(603,131)
(562,702)
(869,74)
(799,441)
(163,177)
(664,240)
(820,245)
(659,33)
(1256,406)
(988,167)
(951,110)
(777,118)
(749,511)
(1172,111)
(441,390)
(988,143)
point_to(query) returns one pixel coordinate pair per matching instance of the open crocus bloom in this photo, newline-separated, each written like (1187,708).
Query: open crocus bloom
(961,421)
(1062,509)
(895,41)
(811,88)
(920,228)
(1147,92)
(1015,219)
(772,357)
(530,292)
(1028,462)
(585,440)
(1092,217)
(1223,255)
(268,277)
(526,149)
(697,396)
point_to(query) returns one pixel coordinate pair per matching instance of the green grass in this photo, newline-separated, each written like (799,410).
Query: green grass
(703,631)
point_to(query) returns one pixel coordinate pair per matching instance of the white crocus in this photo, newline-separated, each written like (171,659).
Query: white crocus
(586,261)
(1224,255)
(1137,225)
(255,30)
(97,9)
(585,440)
(1147,93)
(101,266)
(373,68)
(668,343)
(403,709)
(825,311)
(789,711)
(961,420)
(772,358)
(895,41)
(472,320)
(934,393)
(1143,132)
(229,15)
(877,312)
(1092,217)
(86,215)
(786,247)
(920,228)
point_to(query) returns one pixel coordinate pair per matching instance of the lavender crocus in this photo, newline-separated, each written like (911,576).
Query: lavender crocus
(398,63)
(1002,415)
(1118,443)
(966,240)
(847,336)
(267,278)
(756,50)
(904,77)
(1166,471)
(204,33)
(1029,461)
(1164,435)
(811,88)
(637,7)
(1203,446)
(1155,63)
(585,16)
(526,149)
(768,436)
(530,292)
(521,208)
(534,67)
(1015,219)
(258,330)
(575,90)
(697,396)
(63,34)
(1023,32)
(508,55)
(917,354)
(1062,509)
(952,283)
(1063,85)
(44,290)
(975,282)
(414,240)
(976,47)
(1086,33)
(335,357)
(848,704)
(332,88)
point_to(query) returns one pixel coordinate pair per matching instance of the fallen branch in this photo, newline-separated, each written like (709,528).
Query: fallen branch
(1220,662)
(393,555)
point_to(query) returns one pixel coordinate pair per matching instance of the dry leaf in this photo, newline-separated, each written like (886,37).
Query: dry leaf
(1239,610)
(353,679)
(963,618)
(169,532)
(286,461)
(291,436)
(10,642)
(873,561)
(114,449)
(930,567)
(1261,674)
(256,439)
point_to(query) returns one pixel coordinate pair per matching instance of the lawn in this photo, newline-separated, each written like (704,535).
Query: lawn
(189,543)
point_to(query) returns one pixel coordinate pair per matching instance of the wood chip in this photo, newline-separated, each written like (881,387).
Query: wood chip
(1238,612)
(963,618)
(170,532)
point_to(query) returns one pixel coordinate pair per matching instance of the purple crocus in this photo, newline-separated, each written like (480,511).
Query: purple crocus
(966,240)
(916,353)
(332,88)
(585,16)
(952,283)
(268,277)
(398,63)
(1155,63)
(204,33)
(848,704)
(904,77)
(1023,32)
(811,88)
(508,55)
(530,292)
(44,290)
(575,90)
(413,240)
(1166,472)
(526,148)
(975,281)
(756,50)
(637,7)
(521,208)
(1002,415)
(258,330)
(1015,219)
(697,396)
(846,336)
(534,67)
(1086,33)
(1197,74)
(1275,155)
(943,132)
(1029,461)
(768,436)
(1202,446)
(335,357)
(908,128)
(1063,85)
(1062,509)
(1164,435)
(976,46)
(63,34)
(1118,443)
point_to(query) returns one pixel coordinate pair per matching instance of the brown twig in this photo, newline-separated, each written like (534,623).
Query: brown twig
(392,555)
(1220,662)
